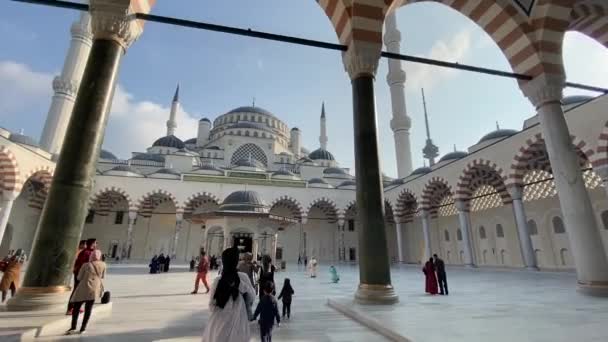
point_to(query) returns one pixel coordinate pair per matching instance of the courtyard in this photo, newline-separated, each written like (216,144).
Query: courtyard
(483,305)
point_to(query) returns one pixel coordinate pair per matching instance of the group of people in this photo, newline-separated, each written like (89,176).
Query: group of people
(232,295)
(159,264)
(10,266)
(89,271)
(435,276)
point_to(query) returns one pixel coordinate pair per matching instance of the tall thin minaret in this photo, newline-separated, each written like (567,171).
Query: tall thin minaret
(172,122)
(430,150)
(66,85)
(323,136)
(401,122)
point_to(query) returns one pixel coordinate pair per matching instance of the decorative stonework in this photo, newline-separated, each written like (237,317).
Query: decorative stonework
(361,59)
(65,87)
(399,123)
(114,20)
(81,30)
(544,89)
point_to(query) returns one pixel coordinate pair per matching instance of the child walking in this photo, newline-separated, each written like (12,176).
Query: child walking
(268,310)
(286,293)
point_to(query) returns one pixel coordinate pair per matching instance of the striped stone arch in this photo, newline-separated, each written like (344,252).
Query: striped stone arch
(37,183)
(293,205)
(508,26)
(200,199)
(327,206)
(107,198)
(389,213)
(590,17)
(406,207)
(148,202)
(533,156)
(434,192)
(480,172)
(9,173)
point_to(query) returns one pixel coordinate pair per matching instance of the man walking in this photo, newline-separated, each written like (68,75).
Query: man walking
(441,276)
(201,275)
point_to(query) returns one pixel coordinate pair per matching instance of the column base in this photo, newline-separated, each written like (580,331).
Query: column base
(470,266)
(376,294)
(54,298)
(593,288)
(532,268)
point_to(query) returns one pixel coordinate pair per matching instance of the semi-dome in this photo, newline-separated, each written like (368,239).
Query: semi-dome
(190,141)
(347,183)
(316,181)
(334,171)
(499,133)
(321,154)
(396,181)
(212,148)
(422,170)
(149,157)
(125,169)
(168,171)
(249,162)
(249,109)
(453,155)
(169,141)
(105,154)
(204,119)
(244,201)
(23,139)
(576,99)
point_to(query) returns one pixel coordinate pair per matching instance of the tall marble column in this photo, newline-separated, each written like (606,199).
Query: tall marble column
(227,238)
(426,233)
(545,93)
(399,237)
(273,251)
(374,263)
(65,86)
(6,206)
(464,218)
(129,245)
(525,241)
(401,122)
(179,220)
(255,250)
(45,285)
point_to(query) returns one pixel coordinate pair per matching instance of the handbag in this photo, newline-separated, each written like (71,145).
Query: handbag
(105,298)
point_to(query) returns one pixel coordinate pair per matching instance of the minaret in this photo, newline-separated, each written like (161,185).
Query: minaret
(430,150)
(172,123)
(323,137)
(66,85)
(400,123)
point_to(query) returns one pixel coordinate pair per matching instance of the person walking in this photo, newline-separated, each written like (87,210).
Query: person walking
(246,266)
(154,265)
(268,311)
(192,265)
(266,273)
(82,257)
(286,294)
(89,289)
(441,276)
(11,266)
(313,267)
(430,278)
(230,294)
(167,263)
(335,278)
(201,275)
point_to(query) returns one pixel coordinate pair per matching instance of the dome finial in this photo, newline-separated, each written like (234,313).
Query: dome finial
(455,148)
(497,126)
(253,102)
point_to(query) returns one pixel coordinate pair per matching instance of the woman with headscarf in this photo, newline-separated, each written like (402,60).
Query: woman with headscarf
(430,280)
(230,295)
(89,289)
(11,267)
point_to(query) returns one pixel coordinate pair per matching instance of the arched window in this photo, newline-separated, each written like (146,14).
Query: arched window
(255,134)
(238,118)
(447,235)
(532,229)
(499,231)
(264,135)
(459,234)
(605,219)
(558,225)
(238,132)
(482,232)
(246,133)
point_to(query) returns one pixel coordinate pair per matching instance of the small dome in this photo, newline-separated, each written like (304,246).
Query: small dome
(204,119)
(397,181)
(282,173)
(334,171)
(295,129)
(212,148)
(125,168)
(23,139)
(321,154)
(453,155)
(347,183)
(248,109)
(150,157)
(105,154)
(305,160)
(169,141)
(190,141)
(249,163)
(168,171)
(499,133)
(244,201)
(575,99)
(316,181)
(421,171)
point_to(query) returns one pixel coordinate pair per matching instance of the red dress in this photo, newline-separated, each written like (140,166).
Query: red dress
(430,278)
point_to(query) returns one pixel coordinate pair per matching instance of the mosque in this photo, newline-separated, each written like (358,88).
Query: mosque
(246,180)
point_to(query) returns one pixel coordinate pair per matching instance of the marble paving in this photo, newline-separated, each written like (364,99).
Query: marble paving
(483,305)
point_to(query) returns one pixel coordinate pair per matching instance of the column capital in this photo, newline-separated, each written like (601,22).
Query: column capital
(115,20)
(132,214)
(81,29)
(179,216)
(361,59)
(461,205)
(516,191)
(425,213)
(9,196)
(65,86)
(544,89)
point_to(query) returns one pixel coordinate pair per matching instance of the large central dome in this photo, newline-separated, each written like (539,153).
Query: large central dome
(250,109)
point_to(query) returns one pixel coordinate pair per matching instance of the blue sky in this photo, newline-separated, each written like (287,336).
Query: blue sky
(218,72)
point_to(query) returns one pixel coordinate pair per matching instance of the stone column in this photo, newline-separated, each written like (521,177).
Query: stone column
(545,92)
(525,241)
(465,226)
(6,206)
(129,245)
(426,232)
(256,246)
(50,267)
(273,246)
(179,219)
(401,122)
(227,239)
(398,231)
(374,263)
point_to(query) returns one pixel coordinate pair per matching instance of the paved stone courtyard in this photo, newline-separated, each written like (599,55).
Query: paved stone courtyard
(483,305)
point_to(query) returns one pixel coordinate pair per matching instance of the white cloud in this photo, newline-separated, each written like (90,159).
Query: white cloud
(456,49)
(586,62)
(133,125)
